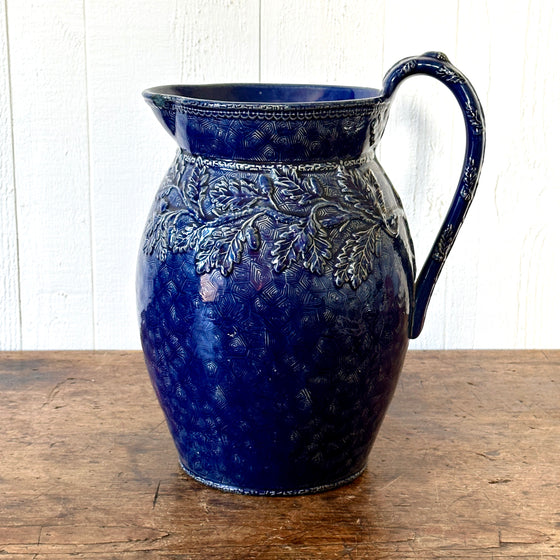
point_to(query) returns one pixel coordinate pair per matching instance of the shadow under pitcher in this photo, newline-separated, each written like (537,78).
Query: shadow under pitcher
(276,281)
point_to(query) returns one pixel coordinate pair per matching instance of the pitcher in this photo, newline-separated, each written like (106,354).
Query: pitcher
(276,284)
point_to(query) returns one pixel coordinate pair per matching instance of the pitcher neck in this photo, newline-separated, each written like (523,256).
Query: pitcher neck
(288,133)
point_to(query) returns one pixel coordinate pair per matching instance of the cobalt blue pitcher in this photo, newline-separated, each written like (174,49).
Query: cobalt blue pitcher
(276,282)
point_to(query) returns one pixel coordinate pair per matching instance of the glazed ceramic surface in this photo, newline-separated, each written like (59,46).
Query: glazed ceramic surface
(276,278)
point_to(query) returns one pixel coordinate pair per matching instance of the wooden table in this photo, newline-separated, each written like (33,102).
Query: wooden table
(467,465)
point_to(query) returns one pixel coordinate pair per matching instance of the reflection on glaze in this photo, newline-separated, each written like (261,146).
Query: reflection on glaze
(210,286)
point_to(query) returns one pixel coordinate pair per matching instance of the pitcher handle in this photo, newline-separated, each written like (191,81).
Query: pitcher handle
(437,65)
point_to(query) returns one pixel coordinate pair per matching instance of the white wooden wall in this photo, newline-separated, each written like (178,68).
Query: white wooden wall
(81,155)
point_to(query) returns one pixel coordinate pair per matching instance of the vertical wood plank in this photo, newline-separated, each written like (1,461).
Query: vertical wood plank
(486,261)
(523,196)
(180,41)
(333,41)
(51,172)
(517,304)
(10,328)
(422,148)
(535,221)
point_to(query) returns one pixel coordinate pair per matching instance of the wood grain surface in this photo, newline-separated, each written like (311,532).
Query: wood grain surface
(465,466)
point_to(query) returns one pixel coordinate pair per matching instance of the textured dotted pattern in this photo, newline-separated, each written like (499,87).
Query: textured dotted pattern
(293,136)
(274,382)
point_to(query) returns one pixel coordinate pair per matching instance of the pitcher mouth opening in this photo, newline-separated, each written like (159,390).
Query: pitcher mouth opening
(264,94)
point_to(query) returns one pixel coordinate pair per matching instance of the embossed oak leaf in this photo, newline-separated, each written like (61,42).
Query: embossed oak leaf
(221,248)
(292,194)
(355,261)
(231,195)
(308,240)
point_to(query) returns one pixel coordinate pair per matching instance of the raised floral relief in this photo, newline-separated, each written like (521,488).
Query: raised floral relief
(469,180)
(474,118)
(449,75)
(221,219)
(443,244)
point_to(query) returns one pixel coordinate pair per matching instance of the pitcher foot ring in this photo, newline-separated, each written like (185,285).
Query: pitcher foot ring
(272,492)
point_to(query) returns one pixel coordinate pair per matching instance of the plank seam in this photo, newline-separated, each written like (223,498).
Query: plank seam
(13,156)
(90,181)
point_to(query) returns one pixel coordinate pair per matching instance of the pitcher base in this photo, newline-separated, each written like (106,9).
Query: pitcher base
(272,492)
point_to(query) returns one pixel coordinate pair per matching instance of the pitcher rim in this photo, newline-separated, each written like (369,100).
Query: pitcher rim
(167,95)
